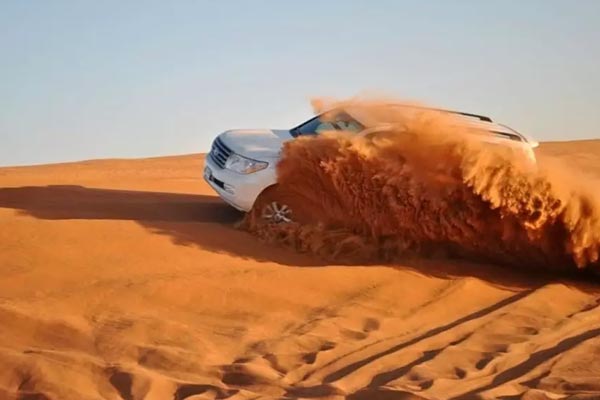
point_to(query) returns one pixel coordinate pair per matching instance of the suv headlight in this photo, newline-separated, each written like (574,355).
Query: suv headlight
(243,165)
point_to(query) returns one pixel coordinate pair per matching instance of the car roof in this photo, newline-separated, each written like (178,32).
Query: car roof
(474,120)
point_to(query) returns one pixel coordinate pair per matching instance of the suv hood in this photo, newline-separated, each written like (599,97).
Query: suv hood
(256,143)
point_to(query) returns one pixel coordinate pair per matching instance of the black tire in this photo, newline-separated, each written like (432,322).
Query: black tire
(278,206)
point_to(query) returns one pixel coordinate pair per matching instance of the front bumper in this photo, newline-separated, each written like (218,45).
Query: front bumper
(238,190)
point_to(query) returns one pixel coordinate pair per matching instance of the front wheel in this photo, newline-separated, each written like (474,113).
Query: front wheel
(275,212)
(278,206)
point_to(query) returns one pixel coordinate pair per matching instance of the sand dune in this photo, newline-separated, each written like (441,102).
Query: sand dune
(126,279)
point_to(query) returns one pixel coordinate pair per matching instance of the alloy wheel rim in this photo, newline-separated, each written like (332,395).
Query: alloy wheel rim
(277,213)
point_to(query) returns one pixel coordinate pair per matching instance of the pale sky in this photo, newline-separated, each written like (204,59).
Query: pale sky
(92,79)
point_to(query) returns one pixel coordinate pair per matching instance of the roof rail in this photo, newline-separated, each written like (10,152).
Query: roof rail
(466,114)
(479,117)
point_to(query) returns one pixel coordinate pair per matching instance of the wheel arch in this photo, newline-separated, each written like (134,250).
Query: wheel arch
(270,187)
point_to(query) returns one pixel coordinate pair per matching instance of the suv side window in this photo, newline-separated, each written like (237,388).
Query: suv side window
(349,125)
(317,125)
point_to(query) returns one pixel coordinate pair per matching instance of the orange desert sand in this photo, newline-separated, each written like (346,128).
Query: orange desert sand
(126,279)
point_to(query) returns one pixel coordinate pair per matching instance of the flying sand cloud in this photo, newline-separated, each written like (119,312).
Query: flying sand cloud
(427,186)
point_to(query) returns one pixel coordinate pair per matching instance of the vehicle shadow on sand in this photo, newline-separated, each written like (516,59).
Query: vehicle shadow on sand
(183,217)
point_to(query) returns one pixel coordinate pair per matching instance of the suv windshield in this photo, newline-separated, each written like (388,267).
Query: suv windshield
(320,123)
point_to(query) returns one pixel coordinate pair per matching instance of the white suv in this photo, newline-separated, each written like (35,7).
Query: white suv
(242,163)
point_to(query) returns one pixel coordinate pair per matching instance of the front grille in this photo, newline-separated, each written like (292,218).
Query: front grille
(219,153)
